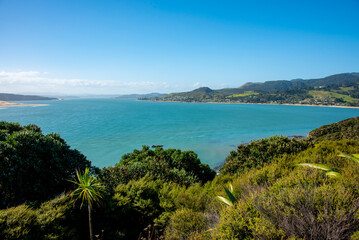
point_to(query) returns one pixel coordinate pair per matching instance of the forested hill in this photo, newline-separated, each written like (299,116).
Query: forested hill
(340,89)
(17,97)
(338,80)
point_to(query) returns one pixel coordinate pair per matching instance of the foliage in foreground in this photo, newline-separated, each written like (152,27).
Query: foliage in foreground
(277,201)
(52,220)
(346,129)
(280,201)
(34,166)
(88,190)
(182,167)
(260,152)
(274,200)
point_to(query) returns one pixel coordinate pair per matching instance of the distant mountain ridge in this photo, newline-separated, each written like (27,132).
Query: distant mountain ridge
(148,95)
(18,97)
(339,89)
(344,79)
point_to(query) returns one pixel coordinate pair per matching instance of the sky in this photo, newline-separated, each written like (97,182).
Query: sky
(79,47)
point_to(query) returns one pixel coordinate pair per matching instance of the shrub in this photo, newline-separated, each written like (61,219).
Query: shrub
(346,129)
(19,223)
(168,165)
(325,212)
(137,204)
(184,223)
(51,221)
(243,221)
(260,152)
(142,202)
(33,166)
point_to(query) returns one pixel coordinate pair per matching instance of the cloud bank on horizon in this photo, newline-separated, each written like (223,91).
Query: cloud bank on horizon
(40,82)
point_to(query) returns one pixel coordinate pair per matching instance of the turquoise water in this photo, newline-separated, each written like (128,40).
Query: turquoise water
(105,129)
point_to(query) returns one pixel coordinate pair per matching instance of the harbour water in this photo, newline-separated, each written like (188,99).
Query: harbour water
(105,129)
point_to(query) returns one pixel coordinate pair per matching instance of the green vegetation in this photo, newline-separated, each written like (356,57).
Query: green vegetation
(88,190)
(347,89)
(339,90)
(332,96)
(230,200)
(261,152)
(245,94)
(168,165)
(330,172)
(346,129)
(170,194)
(54,219)
(17,97)
(33,166)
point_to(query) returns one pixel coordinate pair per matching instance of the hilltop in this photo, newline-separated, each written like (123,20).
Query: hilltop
(338,90)
(18,97)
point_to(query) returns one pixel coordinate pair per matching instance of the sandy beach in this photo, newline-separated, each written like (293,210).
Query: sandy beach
(10,104)
(286,104)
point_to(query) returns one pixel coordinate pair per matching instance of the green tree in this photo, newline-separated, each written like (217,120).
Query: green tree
(34,166)
(88,190)
(182,167)
(261,152)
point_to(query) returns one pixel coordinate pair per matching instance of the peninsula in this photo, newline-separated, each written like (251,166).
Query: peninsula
(336,90)
(6,97)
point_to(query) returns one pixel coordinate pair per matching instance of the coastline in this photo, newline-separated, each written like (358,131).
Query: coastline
(10,104)
(286,104)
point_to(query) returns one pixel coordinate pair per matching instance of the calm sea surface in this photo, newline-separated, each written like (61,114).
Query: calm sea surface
(105,129)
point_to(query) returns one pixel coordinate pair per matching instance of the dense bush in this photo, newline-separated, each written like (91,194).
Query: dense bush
(276,198)
(146,201)
(346,129)
(243,221)
(260,152)
(168,165)
(279,201)
(138,205)
(51,221)
(309,212)
(185,224)
(34,166)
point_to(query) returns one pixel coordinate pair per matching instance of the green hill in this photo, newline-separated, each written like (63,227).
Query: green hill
(340,89)
(338,80)
(346,129)
(18,97)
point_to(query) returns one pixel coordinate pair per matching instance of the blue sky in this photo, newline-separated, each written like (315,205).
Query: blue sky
(119,47)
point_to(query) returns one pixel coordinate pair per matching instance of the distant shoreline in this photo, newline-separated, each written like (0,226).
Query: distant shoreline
(10,104)
(278,104)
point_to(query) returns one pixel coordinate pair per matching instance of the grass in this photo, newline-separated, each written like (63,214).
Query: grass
(323,94)
(245,94)
(346,88)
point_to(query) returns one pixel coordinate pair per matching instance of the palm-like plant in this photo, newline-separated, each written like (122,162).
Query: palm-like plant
(330,172)
(231,200)
(354,157)
(88,190)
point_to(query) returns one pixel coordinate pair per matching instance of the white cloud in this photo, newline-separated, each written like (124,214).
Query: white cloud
(36,82)
(196,85)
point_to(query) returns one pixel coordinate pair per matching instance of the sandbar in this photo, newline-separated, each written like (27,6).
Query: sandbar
(10,104)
